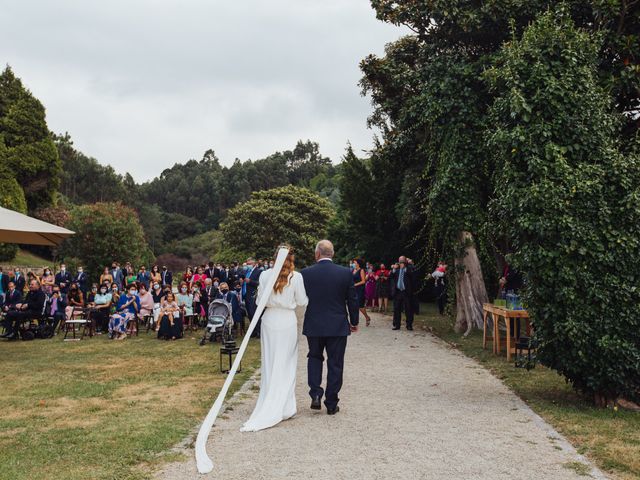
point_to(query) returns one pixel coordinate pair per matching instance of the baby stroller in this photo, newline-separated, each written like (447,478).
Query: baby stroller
(219,321)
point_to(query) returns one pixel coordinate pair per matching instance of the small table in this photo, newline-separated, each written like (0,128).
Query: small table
(497,313)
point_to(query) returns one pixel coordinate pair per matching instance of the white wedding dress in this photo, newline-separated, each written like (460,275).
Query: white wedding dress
(279,341)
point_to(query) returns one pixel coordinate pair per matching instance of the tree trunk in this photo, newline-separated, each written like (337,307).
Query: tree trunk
(471,292)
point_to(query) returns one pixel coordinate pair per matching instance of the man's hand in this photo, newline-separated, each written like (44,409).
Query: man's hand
(354,328)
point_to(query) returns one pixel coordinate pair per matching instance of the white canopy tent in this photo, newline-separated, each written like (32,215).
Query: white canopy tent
(18,228)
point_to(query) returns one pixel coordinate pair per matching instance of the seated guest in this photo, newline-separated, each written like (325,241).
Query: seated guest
(185,301)
(100,308)
(115,297)
(232,298)
(89,297)
(75,301)
(158,294)
(147,302)
(127,308)
(12,297)
(4,285)
(56,307)
(32,307)
(170,325)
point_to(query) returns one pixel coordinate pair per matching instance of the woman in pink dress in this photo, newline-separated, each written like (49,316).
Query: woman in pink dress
(370,293)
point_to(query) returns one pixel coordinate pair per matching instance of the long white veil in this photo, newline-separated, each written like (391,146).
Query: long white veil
(205,465)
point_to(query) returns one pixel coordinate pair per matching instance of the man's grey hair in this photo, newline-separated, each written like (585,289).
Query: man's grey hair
(324,249)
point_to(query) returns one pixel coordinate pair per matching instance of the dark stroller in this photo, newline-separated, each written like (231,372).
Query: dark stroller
(219,321)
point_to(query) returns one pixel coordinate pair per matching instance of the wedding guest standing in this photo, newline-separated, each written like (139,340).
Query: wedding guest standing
(143,277)
(382,288)
(402,284)
(81,279)
(63,280)
(370,290)
(47,281)
(106,277)
(440,289)
(155,274)
(251,282)
(187,276)
(19,279)
(166,276)
(117,275)
(359,281)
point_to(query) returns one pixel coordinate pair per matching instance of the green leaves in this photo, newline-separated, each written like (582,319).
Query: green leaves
(289,214)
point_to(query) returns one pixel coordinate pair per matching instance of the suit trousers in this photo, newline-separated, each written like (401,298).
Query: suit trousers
(335,348)
(402,301)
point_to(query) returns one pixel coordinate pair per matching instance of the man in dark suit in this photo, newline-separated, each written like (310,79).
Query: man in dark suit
(207,294)
(234,274)
(251,282)
(118,275)
(403,281)
(326,324)
(81,280)
(19,280)
(32,307)
(166,277)
(63,280)
(12,297)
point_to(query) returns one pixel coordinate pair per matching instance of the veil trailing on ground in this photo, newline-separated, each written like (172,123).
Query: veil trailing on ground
(205,465)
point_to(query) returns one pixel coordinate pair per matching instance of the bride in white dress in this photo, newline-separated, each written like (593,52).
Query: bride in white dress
(279,341)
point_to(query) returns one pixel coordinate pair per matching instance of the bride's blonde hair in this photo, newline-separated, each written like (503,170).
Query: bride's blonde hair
(287,270)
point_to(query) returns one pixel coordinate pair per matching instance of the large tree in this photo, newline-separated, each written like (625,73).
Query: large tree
(105,232)
(30,152)
(289,214)
(569,203)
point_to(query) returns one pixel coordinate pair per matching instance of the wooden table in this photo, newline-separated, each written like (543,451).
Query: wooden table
(497,313)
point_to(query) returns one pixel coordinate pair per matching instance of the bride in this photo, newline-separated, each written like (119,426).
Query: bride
(279,342)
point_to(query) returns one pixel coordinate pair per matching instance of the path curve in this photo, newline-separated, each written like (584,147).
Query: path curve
(411,408)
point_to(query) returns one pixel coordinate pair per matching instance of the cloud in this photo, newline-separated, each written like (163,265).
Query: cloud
(142,85)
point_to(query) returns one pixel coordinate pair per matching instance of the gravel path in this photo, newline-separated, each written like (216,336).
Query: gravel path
(411,408)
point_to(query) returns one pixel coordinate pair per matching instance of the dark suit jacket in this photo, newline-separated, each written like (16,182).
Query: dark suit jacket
(234,275)
(409,281)
(11,299)
(118,277)
(20,282)
(166,278)
(35,302)
(332,300)
(63,278)
(5,281)
(81,280)
(253,280)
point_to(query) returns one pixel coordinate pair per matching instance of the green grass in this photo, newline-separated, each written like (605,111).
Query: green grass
(100,409)
(28,259)
(610,438)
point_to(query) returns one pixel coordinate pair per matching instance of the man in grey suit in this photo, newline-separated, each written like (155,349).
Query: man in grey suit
(331,315)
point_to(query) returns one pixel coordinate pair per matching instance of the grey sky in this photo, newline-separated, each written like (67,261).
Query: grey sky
(144,84)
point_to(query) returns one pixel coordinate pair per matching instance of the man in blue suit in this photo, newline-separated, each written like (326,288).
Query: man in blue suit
(331,316)
(251,282)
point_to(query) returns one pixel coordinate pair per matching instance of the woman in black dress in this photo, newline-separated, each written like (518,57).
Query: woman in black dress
(359,281)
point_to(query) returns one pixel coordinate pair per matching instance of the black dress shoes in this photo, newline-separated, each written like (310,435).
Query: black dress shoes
(333,411)
(410,329)
(315,403)
(11,336)
(395,328)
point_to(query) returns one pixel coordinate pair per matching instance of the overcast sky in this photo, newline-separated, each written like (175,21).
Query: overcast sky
(143,84)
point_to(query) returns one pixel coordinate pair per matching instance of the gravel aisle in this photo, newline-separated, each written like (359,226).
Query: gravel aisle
(411,408)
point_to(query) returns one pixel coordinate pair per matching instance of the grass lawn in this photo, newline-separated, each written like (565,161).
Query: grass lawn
(28,259)
(101,409)
(610,439)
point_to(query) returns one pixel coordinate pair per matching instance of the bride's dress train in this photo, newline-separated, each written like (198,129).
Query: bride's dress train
(279,343)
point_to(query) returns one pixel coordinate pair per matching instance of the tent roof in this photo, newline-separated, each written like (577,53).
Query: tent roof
(18,228)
